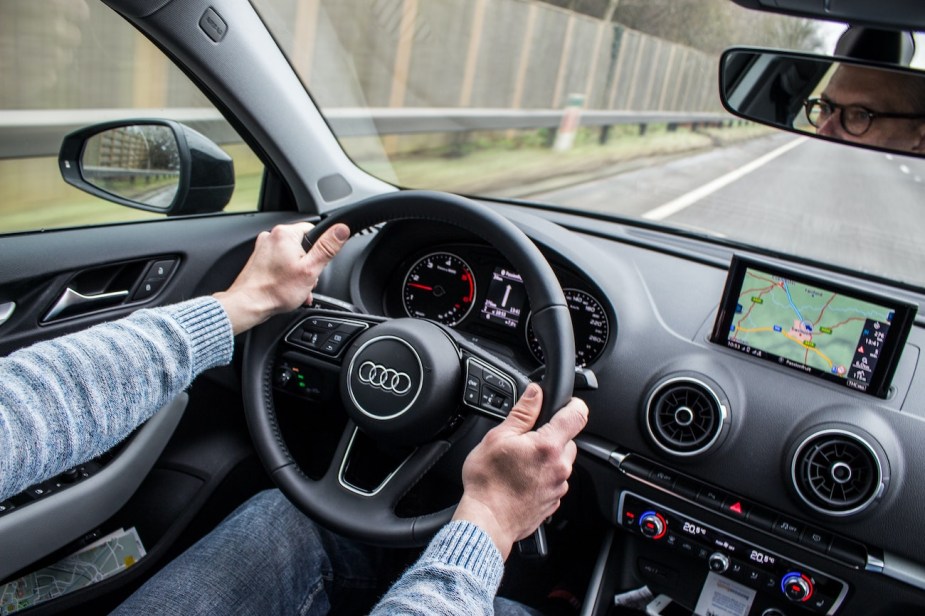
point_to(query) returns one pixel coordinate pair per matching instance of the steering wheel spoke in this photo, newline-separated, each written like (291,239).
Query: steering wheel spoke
(367,471)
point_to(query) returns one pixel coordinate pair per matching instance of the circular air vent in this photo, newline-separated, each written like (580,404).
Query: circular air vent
(837,473)
(684,416)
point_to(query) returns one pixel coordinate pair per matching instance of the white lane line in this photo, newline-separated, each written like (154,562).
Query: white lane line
(688,199)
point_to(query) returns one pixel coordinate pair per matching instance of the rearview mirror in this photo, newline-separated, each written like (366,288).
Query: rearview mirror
(153,165)
(841,100)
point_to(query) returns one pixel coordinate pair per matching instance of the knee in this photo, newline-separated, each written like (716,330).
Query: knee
(269,517)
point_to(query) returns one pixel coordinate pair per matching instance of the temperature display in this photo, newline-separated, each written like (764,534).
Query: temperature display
(694,529)
(761,558)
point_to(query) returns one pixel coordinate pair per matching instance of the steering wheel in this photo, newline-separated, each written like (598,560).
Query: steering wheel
(402,381)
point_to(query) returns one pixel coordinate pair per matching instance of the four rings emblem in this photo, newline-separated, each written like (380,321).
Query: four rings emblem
(384,378)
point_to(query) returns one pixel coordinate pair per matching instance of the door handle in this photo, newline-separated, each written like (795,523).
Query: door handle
(72,301)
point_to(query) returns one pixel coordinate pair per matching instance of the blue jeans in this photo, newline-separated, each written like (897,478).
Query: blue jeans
(268,558)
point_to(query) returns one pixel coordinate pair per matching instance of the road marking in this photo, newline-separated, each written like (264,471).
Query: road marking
(688,199)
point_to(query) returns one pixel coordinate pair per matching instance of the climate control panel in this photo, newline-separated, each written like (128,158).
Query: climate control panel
(747,563)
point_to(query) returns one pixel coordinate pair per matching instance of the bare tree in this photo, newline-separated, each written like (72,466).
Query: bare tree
(713,25)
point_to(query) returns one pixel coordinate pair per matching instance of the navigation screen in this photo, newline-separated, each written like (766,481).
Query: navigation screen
(505,298)
(848,336)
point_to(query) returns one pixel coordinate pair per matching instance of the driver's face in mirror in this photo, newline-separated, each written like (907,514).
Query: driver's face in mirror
(872,106)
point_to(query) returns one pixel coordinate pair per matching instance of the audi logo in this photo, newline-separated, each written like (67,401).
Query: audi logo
(384,378)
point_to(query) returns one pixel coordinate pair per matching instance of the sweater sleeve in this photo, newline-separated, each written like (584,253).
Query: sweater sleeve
(67,400)
(458,573)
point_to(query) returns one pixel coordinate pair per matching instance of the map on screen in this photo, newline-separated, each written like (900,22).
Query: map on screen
(806,327)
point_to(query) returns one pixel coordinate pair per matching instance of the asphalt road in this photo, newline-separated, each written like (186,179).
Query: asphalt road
(860,209)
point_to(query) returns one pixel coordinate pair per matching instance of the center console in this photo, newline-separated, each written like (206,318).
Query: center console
(750,569)
(717,553)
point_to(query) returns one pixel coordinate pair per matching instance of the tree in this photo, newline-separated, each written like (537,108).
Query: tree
(713,25)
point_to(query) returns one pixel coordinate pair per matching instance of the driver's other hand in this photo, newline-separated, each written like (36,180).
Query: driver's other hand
(280,275)
(514,478)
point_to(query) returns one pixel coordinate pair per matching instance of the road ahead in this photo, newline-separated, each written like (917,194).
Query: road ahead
(860,209)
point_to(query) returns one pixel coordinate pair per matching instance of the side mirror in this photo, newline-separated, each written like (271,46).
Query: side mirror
(839,99)
(154,165)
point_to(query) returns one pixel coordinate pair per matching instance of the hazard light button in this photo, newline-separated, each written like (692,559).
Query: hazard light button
(738,508)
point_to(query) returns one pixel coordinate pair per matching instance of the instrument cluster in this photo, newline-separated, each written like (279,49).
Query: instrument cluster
(472,289)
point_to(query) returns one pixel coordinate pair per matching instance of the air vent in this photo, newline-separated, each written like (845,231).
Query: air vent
(685,417)
(837,473)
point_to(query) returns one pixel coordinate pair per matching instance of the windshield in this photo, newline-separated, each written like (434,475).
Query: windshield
(599,105)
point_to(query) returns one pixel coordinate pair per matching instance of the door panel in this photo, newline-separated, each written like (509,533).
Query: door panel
(210,440)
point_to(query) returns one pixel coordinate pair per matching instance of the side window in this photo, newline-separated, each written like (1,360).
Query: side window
(67,64)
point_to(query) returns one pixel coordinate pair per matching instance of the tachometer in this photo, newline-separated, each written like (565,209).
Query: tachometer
(590,323)
(439,286)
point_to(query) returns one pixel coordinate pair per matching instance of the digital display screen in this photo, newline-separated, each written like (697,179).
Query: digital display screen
(504,301)
(848,336)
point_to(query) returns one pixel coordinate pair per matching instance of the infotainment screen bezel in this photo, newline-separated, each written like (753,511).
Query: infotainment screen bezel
(895,339)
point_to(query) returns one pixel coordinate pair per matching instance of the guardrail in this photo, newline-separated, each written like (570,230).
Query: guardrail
(39,133)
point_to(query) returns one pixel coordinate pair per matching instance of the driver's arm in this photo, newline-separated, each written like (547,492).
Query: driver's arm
(67,400)
(513,480)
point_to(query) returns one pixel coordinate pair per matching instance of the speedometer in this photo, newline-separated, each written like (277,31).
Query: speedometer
(439,286)
(590,324)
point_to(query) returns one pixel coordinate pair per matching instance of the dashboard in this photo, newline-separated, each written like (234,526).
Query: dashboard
(795,486)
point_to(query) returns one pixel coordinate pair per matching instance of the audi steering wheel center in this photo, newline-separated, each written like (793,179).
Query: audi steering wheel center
(385,377)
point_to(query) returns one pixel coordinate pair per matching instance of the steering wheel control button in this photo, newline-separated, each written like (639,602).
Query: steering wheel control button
(319,324)
(495,392)
(325,335)
(498,383)
(334,344)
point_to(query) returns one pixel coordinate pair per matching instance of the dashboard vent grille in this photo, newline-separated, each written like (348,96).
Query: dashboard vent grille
(685,417)
(837,473)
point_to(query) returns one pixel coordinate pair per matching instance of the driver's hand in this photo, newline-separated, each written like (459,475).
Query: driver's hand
(515,477)
(280,275)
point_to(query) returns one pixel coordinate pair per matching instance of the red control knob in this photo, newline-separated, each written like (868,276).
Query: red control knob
(797,587)
(652,525)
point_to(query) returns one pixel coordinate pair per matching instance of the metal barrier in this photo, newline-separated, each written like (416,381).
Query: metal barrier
(39,133)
